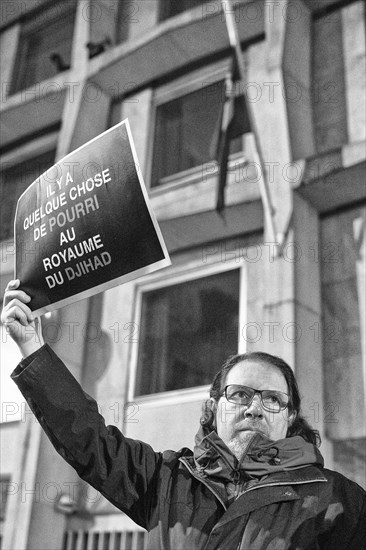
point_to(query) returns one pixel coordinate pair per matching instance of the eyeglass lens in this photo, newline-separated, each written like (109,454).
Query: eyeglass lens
(272,400)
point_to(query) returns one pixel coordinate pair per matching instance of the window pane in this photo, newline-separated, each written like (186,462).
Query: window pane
(13,182)
(44,50)
(185,131)
(187,331)
(169,8)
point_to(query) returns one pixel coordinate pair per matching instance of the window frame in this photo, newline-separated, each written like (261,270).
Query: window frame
(175,275)
(181,86)
(28,151)
(33,24)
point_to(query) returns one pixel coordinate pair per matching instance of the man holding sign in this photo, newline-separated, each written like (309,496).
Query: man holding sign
(255,479)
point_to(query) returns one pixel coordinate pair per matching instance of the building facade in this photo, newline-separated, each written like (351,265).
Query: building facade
(148,349)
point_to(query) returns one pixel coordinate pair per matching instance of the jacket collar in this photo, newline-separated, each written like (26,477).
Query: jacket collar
(279,486)
(262,457)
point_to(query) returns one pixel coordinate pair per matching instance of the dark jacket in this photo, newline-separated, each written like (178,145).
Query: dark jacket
(181,507)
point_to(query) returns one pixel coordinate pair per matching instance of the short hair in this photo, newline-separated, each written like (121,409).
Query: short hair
(299,426)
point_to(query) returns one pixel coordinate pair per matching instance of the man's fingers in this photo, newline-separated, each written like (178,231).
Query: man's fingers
(13,284)
(15,314)
(38,327)
(16,309)
(16,295)
(12,293)
(18,319)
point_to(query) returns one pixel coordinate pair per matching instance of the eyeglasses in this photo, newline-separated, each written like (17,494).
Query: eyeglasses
(272,400)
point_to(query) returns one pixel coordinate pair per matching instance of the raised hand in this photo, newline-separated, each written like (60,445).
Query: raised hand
(17,317)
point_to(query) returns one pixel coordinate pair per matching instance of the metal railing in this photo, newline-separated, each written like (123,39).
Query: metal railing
(105,540)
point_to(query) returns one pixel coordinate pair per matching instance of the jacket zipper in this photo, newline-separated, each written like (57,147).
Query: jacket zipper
(199,478)
(275,484)
(227,462)
(236,479)
(235,471)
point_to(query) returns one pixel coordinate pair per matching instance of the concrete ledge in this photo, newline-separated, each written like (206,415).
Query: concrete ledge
(194,230)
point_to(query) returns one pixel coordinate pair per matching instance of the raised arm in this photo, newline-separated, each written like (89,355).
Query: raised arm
(123,470)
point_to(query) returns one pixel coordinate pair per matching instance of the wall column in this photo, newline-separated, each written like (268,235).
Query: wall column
(291,309)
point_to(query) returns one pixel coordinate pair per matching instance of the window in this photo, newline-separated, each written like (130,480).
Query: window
(169,8)
(14,181)
(187,331)
(44,46)
(343,263)
(185,131)
(109,24)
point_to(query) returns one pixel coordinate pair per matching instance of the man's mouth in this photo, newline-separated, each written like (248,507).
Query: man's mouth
(254,429)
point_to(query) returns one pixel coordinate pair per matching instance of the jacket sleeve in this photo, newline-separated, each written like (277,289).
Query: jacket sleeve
(122,469)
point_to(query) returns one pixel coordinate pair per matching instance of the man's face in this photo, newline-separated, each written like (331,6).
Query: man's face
(236,423)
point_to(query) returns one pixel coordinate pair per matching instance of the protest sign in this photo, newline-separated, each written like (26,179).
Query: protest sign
(86,224)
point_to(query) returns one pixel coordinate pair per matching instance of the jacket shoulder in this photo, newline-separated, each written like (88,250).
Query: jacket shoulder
(340,479)
(345,486)
(174,456)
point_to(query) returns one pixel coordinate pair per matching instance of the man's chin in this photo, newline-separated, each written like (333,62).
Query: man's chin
(239,444)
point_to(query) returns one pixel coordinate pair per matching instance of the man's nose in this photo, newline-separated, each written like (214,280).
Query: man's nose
(254,410)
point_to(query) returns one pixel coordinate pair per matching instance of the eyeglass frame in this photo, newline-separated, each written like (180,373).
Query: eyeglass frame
(259,392)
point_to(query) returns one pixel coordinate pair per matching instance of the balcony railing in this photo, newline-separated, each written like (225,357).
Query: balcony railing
(105,540)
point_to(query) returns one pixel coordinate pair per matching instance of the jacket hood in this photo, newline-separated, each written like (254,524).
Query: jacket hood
(262,456)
